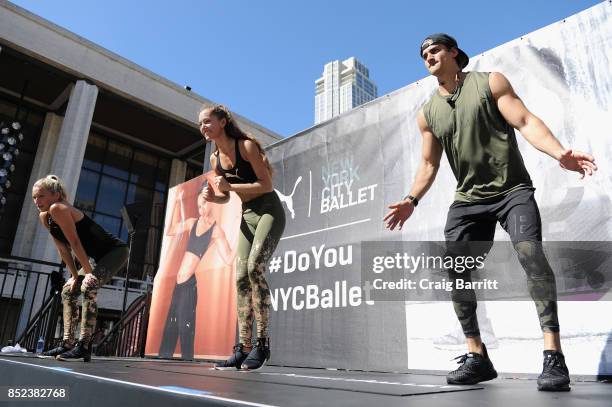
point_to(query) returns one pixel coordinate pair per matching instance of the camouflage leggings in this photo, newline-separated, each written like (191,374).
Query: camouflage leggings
(470,229)
(263,222)
(540,283)
(105,269)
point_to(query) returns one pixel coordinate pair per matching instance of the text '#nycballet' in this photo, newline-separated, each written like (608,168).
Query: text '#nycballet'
(331,294)
(311,296)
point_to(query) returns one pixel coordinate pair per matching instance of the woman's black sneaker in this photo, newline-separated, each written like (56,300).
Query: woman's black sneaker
(258,356)
(555,375)
(475,368)
(235,361)
(81,352)
(53,353)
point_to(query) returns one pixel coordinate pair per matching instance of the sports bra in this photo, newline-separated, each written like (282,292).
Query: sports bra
(198,244)
(241,173)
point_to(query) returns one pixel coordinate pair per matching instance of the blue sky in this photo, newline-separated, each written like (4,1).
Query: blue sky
(261,58)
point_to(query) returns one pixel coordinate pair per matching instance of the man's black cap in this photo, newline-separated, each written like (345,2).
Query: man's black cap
(445,39)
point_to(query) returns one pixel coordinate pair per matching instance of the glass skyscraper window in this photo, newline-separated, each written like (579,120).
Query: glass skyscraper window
(345,75)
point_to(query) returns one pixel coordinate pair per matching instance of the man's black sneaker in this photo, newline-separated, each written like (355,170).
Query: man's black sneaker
(52,353)
(81,352)
(258,356)
(555,376)
(235,361)
(475,368)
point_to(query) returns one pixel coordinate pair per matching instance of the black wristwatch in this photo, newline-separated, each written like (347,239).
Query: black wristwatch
(412,199)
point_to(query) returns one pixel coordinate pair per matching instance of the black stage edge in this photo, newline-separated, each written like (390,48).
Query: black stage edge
(152,383)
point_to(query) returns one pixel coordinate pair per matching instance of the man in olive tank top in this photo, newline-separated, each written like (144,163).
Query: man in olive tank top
(472,117)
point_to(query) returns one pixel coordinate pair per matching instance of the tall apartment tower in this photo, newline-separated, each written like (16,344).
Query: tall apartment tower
(343,86)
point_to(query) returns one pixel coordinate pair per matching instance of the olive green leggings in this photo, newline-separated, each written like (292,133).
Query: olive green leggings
(263,222)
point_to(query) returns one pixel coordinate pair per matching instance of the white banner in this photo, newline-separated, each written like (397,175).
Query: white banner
(336,180)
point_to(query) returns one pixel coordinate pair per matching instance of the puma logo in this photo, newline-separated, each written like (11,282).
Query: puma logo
(288,199)
(230,175)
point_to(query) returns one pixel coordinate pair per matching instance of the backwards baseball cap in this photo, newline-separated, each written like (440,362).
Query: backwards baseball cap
(445,39)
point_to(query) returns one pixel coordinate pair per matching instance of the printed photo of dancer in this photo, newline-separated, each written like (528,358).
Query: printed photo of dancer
(204,235)
(472,117)
(75,234)
(241,166)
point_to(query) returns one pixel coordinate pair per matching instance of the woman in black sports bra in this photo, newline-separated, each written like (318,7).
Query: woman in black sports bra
(241,166)
(202,234)
(74,233)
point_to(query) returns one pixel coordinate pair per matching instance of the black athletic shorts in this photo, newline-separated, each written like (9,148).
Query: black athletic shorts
(517,213)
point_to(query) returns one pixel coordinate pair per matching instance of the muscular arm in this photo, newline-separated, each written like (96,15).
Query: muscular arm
(67,258)
(62,216)
(534,130)
(518,116)
(430,159)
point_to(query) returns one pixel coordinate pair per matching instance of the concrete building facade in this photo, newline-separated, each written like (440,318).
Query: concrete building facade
(115,132)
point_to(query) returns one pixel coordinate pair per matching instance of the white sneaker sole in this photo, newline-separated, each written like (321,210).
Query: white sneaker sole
(71,359)
(45,357)
(226,368)
(246,369)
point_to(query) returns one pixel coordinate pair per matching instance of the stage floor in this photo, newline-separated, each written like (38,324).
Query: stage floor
(151,383)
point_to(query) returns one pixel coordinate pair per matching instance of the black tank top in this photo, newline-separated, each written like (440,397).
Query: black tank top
(96,241)
(198,244)
(241,173)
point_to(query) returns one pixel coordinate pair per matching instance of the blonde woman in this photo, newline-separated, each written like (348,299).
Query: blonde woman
(75,234)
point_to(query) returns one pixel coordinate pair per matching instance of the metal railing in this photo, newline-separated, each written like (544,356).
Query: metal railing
(23,286)
(128,337)
(43,324)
